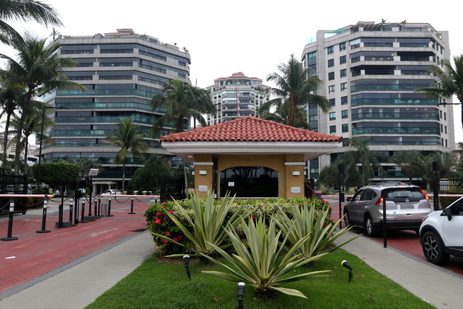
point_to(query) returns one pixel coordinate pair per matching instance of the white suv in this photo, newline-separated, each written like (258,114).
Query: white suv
(440,233)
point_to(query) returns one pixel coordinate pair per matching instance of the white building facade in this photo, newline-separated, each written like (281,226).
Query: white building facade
(370,72)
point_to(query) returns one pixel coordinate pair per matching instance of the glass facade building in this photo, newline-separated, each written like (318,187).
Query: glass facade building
(370,72)
(236,94)
(122,72)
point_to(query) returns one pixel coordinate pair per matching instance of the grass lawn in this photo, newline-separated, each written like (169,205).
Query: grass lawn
(161,283)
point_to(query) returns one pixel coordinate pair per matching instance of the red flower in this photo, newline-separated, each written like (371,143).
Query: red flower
(167,234)
(180,237)
(166,241)
(158,214)
(314,216)
(175,239)
(158,222)
(307,202)
(253,218)
(171,211)
(163,203)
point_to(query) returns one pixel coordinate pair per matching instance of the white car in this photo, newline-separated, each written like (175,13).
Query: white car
(112,192)
(440,233)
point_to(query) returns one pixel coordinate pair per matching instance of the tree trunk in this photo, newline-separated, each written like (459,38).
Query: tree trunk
(25,155)
(123,176)
(5,140)
(17,159)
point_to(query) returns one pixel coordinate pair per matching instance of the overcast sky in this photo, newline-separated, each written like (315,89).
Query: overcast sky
(253,36)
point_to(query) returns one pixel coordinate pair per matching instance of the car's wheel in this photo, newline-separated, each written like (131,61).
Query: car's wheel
(433,248)
(347,221)
(369,227)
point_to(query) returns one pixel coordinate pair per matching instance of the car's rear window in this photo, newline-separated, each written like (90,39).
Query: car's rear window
(398,194)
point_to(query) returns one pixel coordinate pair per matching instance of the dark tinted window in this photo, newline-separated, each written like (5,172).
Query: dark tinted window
(401,194)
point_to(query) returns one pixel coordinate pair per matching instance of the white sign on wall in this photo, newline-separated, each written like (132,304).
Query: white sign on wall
(231,184)
(295,189)
(202,188)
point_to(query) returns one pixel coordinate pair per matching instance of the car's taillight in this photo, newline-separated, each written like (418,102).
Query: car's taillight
(378,203)
(427,197)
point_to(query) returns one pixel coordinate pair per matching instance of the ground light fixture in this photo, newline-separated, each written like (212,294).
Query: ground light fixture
(186,259)
(347,265)
(241,286)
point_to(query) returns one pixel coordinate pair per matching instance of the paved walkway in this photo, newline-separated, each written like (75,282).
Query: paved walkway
(92,264)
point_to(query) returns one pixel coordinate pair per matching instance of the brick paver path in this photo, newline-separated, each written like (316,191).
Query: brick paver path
(37,254)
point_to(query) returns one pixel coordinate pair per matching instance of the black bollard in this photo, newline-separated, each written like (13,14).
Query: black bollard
(44,218)
(241,286)
(99,208)
(76,211)
(82,220)
(71,206)
(186,259)
(95,205)
(131,208)
(109,208)
(10,224)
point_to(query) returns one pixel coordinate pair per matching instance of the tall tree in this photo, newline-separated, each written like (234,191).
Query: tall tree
(32,125)
(10,96)
(361,153)
(406,160)
(126,137)
(180,101)
(294,86)
(25,10)
(281,115)
(38,69)
(202,102)
(147,178)
(448,82)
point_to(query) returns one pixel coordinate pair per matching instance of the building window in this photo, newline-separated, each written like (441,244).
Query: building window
(343,100)
(247,181)
(332,129)
(441,128)
(345,114)
(330,50)
(345,128)
(332,102)
(440,114)
(331,89)
(446,145)
(342,59)
(331,76)
(333,116)
(344,73)
(445,129)
(342,46)
(445,116)
(331,63)
(343,86)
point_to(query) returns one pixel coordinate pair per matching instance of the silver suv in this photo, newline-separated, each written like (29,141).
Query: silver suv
(406,206)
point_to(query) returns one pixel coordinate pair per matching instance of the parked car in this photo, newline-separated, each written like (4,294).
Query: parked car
(406,206)
(440,233)
(112,192)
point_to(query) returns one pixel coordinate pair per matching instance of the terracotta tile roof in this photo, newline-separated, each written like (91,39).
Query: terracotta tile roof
(250,129)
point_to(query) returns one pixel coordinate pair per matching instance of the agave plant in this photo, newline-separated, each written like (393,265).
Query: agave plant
(261,262)
(207,222)
(320,236)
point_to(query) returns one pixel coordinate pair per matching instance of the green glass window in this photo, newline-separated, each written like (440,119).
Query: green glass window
(249,181)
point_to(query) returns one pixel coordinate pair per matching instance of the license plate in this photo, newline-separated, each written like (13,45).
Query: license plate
(406,206)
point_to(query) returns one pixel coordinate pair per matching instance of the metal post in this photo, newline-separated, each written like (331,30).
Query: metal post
(90,197)
(341,171)
(44,217)
(82,220)
(131,208)
(436,187)
(71,206)
(383,195)
(109,207)
(10,223)
(76,211)
(95,210)
(99,208)
(241,286)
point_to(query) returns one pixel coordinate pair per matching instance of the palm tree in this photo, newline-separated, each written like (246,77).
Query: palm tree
(294,86)
(180,101)
(126,137)
(25,10)
(361,153)
(32,125)
(281,115)
(406,160)
(448,83)
(38,69)
(10,96)
(202,102)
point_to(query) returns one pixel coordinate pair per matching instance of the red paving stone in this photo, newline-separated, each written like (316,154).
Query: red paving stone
(406,240)
(37,254)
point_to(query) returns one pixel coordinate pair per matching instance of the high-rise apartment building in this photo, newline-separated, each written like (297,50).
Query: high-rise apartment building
(122,71)
(236,94)
(370,72)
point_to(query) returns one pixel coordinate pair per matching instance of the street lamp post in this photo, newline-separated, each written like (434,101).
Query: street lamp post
(41,139)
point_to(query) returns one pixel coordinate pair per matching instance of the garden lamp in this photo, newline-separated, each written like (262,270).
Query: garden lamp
(241,286)
(186,259)
(347,265)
